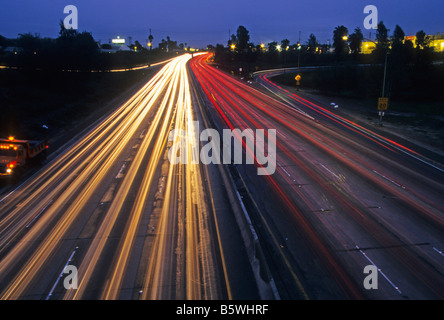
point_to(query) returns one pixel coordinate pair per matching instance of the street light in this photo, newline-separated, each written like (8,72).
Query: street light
(345,38)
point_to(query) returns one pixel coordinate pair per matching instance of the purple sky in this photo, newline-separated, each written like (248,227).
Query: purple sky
(202,22)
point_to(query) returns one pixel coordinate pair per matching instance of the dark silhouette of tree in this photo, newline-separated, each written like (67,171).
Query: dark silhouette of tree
(285,43)
(80,43)
(340,41)
(398,36)
(423,51)
(422,40)
(163,45)
(312,43)
(401,50)
(242,37)
(382,36)
(272,46)
(233,40)
(137,47)
(355,40)
(29,43)
(219,53)
(382,45)
(66,34)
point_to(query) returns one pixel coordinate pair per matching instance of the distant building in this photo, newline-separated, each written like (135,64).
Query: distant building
(115,45)
(436,42)
(367,47)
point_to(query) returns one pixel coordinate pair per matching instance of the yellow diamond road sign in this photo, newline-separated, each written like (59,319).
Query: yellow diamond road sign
(382,104)
(298,79)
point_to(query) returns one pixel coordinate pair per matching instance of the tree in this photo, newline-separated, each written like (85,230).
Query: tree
(398,36)
(355,41)
(382,36)
(422,40)
(423,51)
(400,49)
(137,47)
(285,43)
(219,53)
(242,37)
(232,41)
(29,43)
(340,40)
(272,46)
(162,45)
(312,43)
(382,46)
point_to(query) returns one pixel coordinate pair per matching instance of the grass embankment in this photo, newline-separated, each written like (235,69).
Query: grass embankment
(410,91)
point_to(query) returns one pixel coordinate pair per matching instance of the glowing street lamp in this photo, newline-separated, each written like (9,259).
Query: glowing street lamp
(345,38)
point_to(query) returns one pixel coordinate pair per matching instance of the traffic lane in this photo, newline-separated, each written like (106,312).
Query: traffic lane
(98,168)
(216,98)
(233,264)
(339,176)
(345,235)
(317,246)
(422,164)
(362,151)
(155,136)
(95,207)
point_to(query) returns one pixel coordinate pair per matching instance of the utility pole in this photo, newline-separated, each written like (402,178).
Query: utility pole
(299,50)
(383,101)
(385,74)
(150,45)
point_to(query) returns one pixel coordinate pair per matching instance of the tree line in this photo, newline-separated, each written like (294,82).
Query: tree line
(345,47)
(74,50)
(409,66)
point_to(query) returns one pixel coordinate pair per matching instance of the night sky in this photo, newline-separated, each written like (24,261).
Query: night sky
(202,22)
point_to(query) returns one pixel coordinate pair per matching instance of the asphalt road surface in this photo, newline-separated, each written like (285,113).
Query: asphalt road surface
(113,206)
(342,197)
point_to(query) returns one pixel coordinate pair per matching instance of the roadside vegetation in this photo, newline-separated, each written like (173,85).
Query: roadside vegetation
(414,71)
(48,82)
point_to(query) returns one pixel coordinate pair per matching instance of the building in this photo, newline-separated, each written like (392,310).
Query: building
(115,45)
(367,47)
(436,42)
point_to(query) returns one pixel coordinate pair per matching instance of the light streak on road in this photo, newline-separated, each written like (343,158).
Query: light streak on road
(101,184)
(331,176)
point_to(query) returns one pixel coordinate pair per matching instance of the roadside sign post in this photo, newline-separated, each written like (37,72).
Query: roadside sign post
(298,80)
(382,107)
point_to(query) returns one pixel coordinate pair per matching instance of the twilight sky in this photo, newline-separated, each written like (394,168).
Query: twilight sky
(202,22)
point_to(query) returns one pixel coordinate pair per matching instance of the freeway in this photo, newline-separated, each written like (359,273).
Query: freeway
(343,196)
(133,225)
